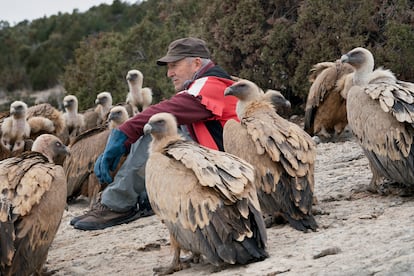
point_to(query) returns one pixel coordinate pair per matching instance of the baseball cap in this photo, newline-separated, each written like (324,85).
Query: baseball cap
(185,47)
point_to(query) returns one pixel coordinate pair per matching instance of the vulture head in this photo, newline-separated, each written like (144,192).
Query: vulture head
(18,109)
(104,99)
(280,103)
(161,125)
(363,62)
(70,102)
(117,115)
(50,146)
(244,90)
(134,75)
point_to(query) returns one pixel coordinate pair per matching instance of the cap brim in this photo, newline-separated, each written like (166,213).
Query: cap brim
(167,59)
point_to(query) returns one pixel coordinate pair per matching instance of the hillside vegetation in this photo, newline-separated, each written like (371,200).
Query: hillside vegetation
(273,43)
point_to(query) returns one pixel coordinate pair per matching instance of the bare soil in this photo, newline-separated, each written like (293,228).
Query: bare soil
(360,233)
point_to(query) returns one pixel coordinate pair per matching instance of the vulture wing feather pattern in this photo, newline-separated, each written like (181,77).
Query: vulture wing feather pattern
(381,115)
(206,198)
(85,150)
(282,153)
(31,206)
(325,111)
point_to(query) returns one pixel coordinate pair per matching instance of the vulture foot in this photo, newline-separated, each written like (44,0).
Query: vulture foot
(324,134)
(174,267)
(276,219)
(394,188)
(46,272)
(176,264)
(219,268)
(193,258)
(377,184)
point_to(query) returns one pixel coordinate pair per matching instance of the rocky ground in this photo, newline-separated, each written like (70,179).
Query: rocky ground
(360,233)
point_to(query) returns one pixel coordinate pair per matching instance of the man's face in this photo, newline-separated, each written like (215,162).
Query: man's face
(182,70)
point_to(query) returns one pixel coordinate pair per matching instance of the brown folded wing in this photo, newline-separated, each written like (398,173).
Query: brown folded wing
(208,202)
(31,208)
(283,156)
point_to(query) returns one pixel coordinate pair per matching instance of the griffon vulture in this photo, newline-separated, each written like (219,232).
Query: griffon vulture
(104,105)
(138,97)
(85,149)
(206,198)
(31,206)
(15,128)
(380,112)
(283,155)
(98,115)
(75,122)
(44,118)
(117,115)
(281,105)
(325,111)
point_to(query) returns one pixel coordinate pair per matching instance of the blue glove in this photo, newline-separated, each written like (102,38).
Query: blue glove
(109,159)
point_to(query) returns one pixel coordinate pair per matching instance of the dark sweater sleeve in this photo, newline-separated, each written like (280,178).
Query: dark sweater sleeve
(185,107)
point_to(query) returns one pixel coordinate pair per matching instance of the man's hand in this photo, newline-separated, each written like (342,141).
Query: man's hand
(109,159)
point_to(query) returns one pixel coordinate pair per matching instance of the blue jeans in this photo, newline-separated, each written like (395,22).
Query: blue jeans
(122,194)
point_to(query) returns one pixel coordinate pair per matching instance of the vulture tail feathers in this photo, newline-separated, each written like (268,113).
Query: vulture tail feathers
(222,251)
(228,248)
(6,247)
(250,252)
(304,224)
(296,205)
(309,120)
(258,226)
(254,247)
(400,171)
(198,241)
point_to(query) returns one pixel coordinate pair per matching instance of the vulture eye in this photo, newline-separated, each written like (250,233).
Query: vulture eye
(58,144)
(358,54)
(160,122)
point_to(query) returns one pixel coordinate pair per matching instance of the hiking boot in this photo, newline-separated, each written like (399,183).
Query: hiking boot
(85,214)
(78,218)
(101,217)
